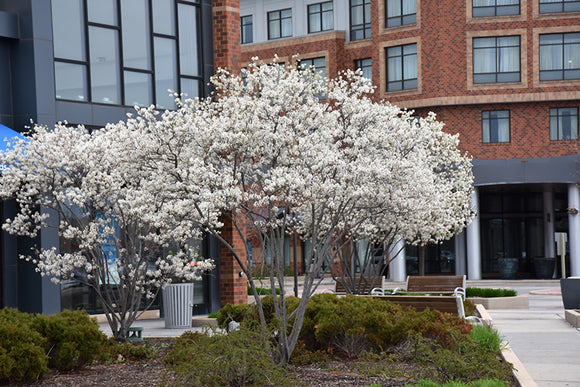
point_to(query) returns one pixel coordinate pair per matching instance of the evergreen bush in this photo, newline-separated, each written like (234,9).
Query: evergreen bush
(22,354)
(73,339)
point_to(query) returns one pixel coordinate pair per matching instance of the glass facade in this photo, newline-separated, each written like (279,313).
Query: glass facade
(109,52)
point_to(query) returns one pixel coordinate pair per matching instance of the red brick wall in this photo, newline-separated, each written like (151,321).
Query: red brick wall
(233,287)
(226,29)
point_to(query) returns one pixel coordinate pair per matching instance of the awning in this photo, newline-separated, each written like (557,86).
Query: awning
(6,134)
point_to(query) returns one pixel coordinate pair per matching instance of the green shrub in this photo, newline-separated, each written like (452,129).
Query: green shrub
(73,339)
(262,291)
(239,358)
(230,312)
(22,355)
(131,351)
(248,314)
(488,292)
(353,324)
(466,362)
(487,338)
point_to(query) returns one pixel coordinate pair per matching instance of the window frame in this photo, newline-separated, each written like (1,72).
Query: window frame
(402,19)
(321,13)
(243,38)
(561,6)
(364,27)
(489,120)
(125,70)
(497,50)
(280,20)
(561,73)
(556,134)
(414,82)
(360,64)
(498,9)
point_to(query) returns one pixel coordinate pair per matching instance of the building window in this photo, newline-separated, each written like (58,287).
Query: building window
(496,126)
(360,19)
(319,65)
(400,12)
(496,59)
(560,56)
(247,29)
(366,66)
(557,6)
(564,123)
(402,67)
(490,8)
(320,17)
(280,24)
(106,53)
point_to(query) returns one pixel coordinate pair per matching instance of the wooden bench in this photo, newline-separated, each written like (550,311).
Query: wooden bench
(449,293)
(360,286)
(447,304)
(442,284)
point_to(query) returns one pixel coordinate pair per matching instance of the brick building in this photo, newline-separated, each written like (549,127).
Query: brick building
(503,74)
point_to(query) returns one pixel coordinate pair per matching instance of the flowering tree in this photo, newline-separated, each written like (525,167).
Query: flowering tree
(119,227)
(277,159)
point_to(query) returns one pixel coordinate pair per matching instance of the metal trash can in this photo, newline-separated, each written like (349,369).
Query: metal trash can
(178,305)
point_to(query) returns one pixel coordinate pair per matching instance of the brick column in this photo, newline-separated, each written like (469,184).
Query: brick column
(233,287)
(226,34)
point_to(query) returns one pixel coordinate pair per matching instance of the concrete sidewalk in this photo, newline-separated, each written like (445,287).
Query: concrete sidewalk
(544,342)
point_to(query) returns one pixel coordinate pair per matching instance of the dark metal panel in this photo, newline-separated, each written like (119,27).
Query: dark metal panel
(564,169)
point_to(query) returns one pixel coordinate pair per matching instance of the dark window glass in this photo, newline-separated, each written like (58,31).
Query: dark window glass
(165,71)
(495,125)
(558,6)
(400,12)
(138,88)
(564,123)
(103,12)
(280,24)
(247,29)
(189,54)
(71,81)
(164,17)
(68,29)
(105,64)
(402,67)
(490,8)
(320,17)
(560,56)
(496,59)
(366,66)
(360,19)
(136,32)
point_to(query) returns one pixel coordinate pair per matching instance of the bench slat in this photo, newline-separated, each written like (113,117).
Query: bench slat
(446,304)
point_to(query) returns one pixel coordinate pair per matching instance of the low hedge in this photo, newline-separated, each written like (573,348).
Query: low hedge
(489,292)
(31,344)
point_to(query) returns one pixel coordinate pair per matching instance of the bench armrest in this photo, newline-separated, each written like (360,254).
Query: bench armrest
(377,292)
(398,290)
(459,292)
